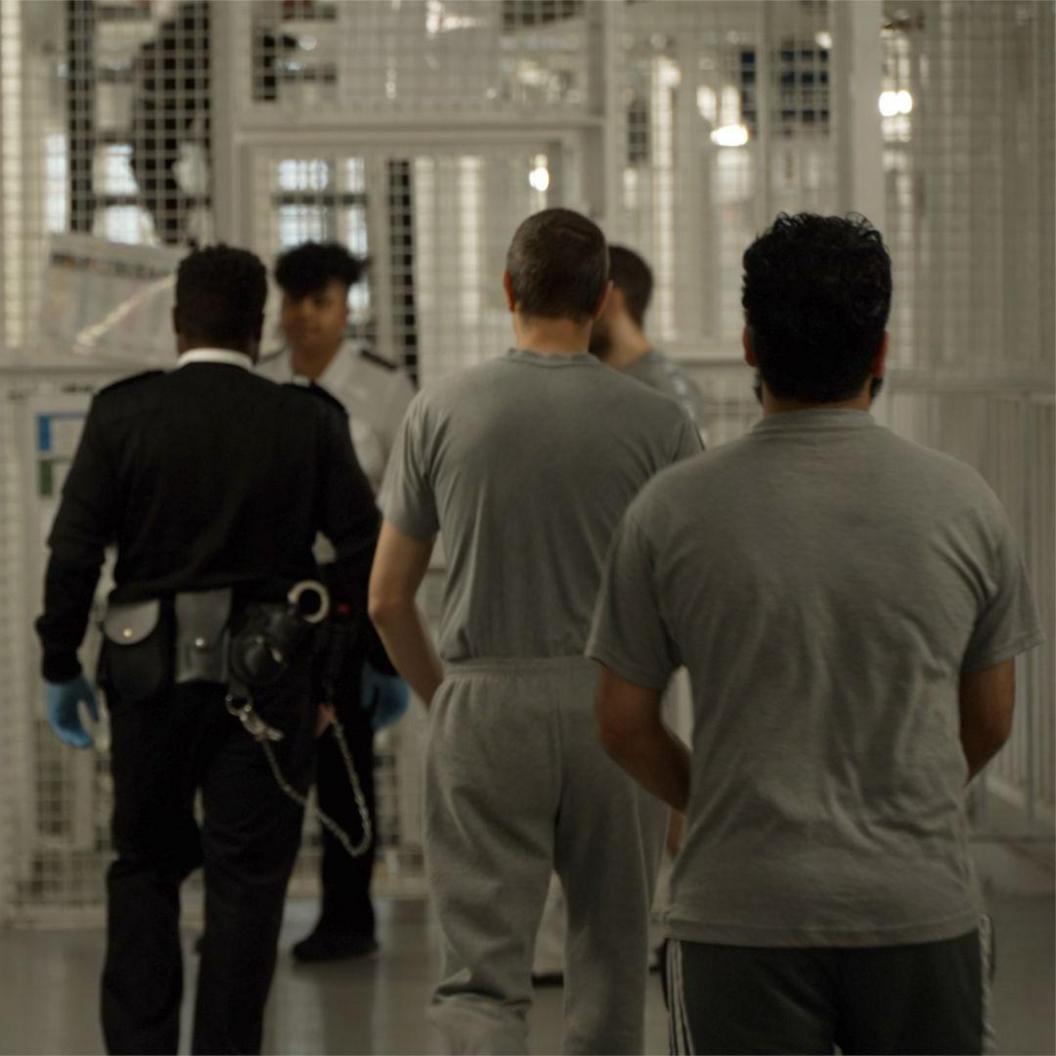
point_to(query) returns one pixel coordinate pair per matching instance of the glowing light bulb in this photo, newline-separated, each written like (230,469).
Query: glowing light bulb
(539,178)
(730,136)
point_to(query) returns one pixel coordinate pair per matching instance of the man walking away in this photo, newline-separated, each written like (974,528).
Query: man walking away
(212,482)
(525,464)
(849,605)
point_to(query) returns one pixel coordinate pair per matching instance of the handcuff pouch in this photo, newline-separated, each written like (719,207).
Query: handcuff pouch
(136,659)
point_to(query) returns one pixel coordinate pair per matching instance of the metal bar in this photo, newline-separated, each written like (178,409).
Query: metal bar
(858,62)
(764,67)
(80,111)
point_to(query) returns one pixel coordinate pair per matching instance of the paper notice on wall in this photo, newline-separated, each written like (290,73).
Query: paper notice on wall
(108,301)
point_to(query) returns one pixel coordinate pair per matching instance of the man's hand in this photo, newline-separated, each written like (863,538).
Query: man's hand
(633,734)
(400,564)
(324,717)
(987,700)
(64,717)
(386,697)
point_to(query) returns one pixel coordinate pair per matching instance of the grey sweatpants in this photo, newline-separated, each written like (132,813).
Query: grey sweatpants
(517,784)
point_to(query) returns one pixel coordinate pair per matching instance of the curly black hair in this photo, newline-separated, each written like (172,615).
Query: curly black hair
(220,295)
(816,296)
(311,266)
(559,264)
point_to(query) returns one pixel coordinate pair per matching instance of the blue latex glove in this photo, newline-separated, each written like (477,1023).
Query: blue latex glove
(64,714)
(386,697)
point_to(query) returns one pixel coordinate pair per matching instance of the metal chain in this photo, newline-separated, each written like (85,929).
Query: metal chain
(265,735)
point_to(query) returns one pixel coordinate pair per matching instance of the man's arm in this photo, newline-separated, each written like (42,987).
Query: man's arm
(400,564)
(987,699)
(633,734)
(83,526)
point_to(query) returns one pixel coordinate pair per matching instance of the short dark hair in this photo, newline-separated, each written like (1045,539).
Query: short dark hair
(312,266)
(633,278)
(558,264)
(220,295)
(816,296)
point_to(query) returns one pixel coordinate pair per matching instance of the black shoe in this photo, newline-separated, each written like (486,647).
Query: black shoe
(327,945)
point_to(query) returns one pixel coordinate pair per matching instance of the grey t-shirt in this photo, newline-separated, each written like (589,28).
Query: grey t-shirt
(658,372)
(826,582)
(526,464)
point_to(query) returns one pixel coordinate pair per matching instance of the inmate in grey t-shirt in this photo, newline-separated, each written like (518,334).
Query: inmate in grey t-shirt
(526,464)
(658,372)
(826,582)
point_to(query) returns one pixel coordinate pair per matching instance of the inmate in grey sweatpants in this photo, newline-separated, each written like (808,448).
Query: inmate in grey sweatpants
(518,784)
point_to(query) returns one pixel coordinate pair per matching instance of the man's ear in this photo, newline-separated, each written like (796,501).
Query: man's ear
(879,365)
(604,300)
(746,344)
(181,342)
(507,287)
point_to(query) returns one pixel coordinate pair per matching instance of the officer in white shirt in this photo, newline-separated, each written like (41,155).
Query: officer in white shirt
(315,279)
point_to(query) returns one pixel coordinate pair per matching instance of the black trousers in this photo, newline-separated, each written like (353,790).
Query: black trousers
(163,752)
(346,903)
(929,997)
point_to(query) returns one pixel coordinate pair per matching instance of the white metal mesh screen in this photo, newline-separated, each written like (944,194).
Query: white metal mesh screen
(728,121)
(56,830)
(435,224)
(968,160)
(420,133)
(104,129)
(377,58)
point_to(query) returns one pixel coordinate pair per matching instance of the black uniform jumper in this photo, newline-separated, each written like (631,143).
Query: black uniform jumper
(204,477)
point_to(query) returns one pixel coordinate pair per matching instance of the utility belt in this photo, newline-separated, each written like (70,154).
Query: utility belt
(204,636)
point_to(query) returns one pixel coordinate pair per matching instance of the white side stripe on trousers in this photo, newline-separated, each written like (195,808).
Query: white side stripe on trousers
(986,957)
(680,1038)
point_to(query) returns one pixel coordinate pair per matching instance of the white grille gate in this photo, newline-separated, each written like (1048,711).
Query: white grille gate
(420,133)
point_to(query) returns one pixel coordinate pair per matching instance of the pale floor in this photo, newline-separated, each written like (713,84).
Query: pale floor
(48,985)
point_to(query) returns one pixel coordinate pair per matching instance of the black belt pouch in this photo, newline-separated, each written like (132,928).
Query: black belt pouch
(137,656)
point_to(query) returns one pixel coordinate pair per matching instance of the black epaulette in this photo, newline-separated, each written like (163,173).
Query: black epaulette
(121,382)
(378,361)
(318,392)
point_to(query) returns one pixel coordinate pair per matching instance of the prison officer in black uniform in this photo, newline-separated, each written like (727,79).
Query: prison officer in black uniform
(205,477)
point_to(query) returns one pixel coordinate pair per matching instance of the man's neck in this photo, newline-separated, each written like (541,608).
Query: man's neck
(184,345)
(775,405)
(627,344)
(551,337)
(311,364)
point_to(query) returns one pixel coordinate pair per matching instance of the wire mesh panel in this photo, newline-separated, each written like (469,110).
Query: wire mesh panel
(56,833)
(435,223)
(727,122)
(969,140)
(104,132)
(419,132)
(374,57)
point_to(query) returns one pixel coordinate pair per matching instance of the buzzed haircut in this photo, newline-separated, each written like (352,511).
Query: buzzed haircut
(816,296)
(312,266)
(220,295)
(558,264)
(633,278)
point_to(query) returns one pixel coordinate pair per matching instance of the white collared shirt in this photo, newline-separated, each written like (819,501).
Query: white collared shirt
(374,396)
(215,355)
